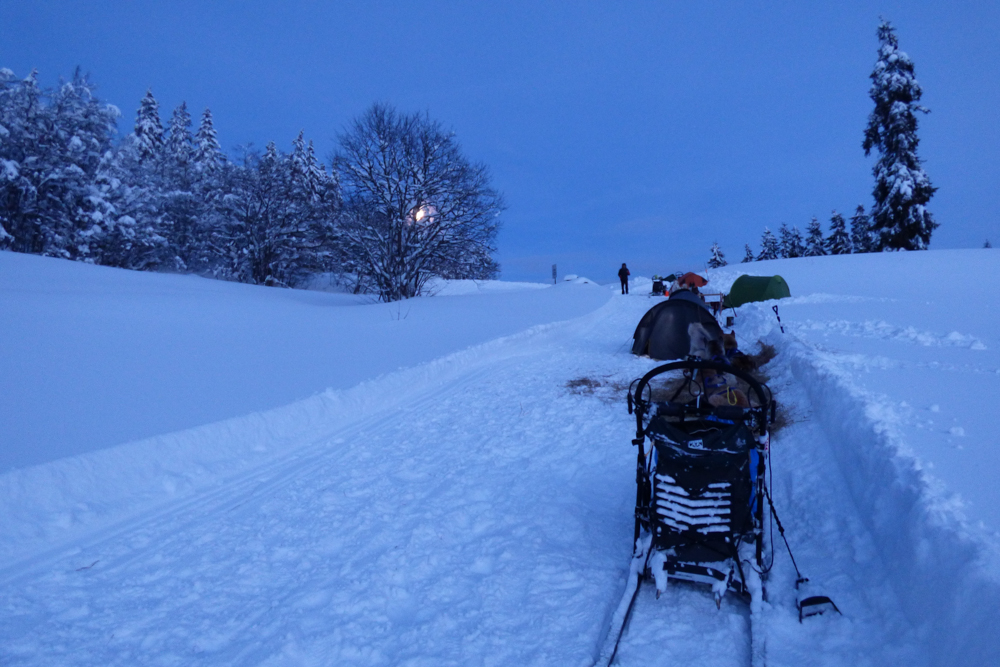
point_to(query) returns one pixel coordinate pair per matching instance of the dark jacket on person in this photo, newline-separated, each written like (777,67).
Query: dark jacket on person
(623,274)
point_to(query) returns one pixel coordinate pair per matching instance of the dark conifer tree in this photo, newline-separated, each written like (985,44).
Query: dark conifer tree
(838,242)
(718,258)
(148,129)
(790,242)
(814,240)
(183,208)
(207,151)
(179,146)
(769,248)
(900,218)
(53,199)
(747,254)
(275,233)
(861,234)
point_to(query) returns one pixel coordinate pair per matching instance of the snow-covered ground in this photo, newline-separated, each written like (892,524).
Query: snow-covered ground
(95,357)
(429,483)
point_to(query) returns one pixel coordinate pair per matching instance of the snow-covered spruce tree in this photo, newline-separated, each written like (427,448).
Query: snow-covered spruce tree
(273,234)
(814,240)
(790,242)
(8,168)
(21,107)
(318,198)
(415,207)
(796,246)
(747,254)
(769,248)
(148,129)
(182,207)
(138,239)
(318,169)
(718,258)
(784,239)
(312,181)
(143,240)
(861,232)
(192,190)
(179,145)
(900,218)
(208,155)
(212,178)
(165,207)
(52,148)
(839,241)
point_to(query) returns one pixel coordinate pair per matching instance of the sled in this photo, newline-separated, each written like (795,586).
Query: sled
(700,483)
(700,494)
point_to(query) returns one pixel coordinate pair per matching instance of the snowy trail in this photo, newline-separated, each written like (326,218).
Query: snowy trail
(431,522)
(832,548)
(243,487)
(485,522)
(683,627)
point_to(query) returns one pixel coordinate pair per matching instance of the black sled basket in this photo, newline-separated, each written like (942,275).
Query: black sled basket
(700,483)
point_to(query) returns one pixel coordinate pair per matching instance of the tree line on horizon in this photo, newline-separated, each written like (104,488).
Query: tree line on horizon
(898,219)
(399,205)
(789,241)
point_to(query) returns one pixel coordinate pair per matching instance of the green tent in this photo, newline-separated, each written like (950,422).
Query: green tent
(756,288)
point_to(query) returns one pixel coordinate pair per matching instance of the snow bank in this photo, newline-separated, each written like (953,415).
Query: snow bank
(873,339)
(944,573)
(574,279)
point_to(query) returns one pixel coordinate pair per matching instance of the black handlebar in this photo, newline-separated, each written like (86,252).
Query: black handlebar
(728,412)
(755,386)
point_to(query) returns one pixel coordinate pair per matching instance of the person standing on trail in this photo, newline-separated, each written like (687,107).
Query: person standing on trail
(623,274)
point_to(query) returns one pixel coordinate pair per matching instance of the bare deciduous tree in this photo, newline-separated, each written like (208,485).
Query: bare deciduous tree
(415,207)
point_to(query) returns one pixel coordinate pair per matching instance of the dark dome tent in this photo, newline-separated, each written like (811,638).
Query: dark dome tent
(756,288)
(663,331)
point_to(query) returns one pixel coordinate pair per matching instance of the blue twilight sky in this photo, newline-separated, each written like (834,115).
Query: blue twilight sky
(625,130)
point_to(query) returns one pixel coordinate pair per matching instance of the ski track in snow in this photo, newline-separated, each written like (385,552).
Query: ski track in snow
(407,539)
(487,522)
